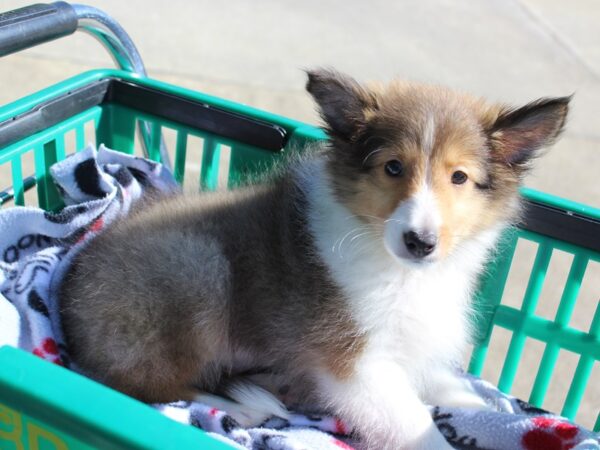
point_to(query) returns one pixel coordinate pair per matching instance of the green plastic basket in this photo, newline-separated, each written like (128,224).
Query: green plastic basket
(43,406)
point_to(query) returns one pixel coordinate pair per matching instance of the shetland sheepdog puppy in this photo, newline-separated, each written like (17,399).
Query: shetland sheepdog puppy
(349,272)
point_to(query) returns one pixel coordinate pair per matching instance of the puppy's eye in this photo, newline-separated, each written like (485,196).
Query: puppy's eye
(394,168)
(459,177)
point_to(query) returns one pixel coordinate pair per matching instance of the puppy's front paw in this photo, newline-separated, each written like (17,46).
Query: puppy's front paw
(464,399)
(456,392)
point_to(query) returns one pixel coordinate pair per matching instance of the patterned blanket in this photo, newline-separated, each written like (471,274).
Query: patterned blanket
(99,186)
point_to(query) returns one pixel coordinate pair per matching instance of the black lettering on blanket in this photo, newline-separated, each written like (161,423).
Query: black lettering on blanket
(36,303)
(13,252)
(43,240)
(21,286)
(26,241)
(11,274)
(30,270)
(442,421)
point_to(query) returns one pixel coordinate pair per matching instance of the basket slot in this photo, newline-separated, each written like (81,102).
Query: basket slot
(29,182)
(532,294)
(167,145)
(582,373)
(193,162)
(70,140)
(79,137)
(488,300)
(90,131)
(224,165)
(563,316)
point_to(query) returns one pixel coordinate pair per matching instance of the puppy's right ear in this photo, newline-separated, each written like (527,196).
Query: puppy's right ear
(344,104)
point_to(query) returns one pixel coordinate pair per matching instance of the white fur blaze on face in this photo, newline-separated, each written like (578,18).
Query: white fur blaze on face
(429,135)
(418,214)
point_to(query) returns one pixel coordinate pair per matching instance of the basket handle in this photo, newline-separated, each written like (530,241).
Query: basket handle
(35,24)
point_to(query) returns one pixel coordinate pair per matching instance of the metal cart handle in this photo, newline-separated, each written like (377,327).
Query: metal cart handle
(35,24)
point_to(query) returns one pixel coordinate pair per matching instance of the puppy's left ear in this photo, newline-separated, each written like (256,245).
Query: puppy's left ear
(343,103)
(517,134)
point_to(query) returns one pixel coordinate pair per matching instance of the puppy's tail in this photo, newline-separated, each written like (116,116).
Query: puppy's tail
(252,395)
(249,404)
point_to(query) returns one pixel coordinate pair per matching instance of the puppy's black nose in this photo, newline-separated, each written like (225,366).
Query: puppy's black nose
(420,244)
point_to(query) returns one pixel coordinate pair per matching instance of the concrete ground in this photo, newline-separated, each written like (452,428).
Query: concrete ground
(254,52)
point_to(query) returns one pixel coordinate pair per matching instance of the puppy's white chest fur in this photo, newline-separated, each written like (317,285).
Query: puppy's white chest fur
(415,317)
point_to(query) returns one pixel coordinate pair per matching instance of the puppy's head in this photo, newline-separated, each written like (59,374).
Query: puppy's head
(427,166)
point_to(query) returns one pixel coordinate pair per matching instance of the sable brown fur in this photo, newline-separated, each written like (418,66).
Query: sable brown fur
(158,305)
